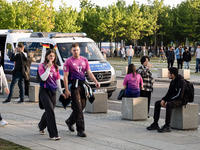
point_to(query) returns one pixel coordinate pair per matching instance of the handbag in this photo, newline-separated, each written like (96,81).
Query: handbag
(25,70)
(121,94)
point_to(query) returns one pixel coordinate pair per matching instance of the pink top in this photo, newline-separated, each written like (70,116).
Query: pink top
(51,80)
(133,83)
(76,67)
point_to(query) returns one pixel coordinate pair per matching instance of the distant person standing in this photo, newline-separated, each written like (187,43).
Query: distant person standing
(148,80)
(18,57)
(143,52)
(179,56)
(197,54)
(3,81)
(170,57)
(123,53)
(186,58)
(130,54)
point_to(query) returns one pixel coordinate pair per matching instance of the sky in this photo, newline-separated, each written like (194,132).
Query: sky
(76,3)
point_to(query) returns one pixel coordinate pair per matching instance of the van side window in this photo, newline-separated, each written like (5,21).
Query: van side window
(35,50)
(9,49)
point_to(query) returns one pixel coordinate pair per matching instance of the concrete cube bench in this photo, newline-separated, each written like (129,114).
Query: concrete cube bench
(185,117)
(134,108)
(162,73)
(185,73)
(34,92)
(100,104)
(124,71)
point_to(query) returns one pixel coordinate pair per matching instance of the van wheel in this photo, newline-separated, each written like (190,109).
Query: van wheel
(109,94)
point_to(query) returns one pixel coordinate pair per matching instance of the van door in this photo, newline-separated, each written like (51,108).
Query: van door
(2,47)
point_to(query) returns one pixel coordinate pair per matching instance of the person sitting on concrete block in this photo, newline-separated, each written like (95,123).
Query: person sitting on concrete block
(175,97)
(132,82)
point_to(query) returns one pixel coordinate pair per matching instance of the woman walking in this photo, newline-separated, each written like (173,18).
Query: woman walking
(49,74)
(132,82)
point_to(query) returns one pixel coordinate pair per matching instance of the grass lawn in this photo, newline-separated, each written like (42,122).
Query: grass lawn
(6,145)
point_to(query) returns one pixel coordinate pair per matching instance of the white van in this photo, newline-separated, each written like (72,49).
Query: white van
(8,40)
(38,43)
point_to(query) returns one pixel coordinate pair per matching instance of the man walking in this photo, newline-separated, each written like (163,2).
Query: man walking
(77,66)
(175,97)
(197,54)
(18,57)
(130,54)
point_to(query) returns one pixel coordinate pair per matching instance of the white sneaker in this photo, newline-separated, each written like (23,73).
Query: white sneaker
(17,100)
(3,123)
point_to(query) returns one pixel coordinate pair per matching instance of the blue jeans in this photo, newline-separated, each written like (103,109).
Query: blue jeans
(187,64)
(17,77)
(129,59)
(197,64)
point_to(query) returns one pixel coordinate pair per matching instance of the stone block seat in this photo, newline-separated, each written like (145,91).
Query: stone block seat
(100,104)
(134,108)
(185,117)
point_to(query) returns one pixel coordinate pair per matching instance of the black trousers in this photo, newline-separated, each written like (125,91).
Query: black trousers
(26,87)
(78,104)
(170,105)
(0,117)
(48,99)
(170,63)
(148,95)
(180,63)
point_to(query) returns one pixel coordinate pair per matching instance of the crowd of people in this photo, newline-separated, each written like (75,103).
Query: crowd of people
(181,54)
(137,82)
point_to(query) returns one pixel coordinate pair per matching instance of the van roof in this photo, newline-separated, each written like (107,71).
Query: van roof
(54,41)
(20,31)
(41,34)
(66,35)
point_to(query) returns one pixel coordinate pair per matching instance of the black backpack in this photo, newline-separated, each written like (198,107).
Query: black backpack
(190,92)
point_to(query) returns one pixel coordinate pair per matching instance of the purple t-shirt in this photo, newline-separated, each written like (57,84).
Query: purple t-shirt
(76,67)
(51,80)
(133,83)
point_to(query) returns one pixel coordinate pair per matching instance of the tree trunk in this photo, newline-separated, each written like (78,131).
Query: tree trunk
(155,44)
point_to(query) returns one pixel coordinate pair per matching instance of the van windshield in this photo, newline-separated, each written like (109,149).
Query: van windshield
(89,50)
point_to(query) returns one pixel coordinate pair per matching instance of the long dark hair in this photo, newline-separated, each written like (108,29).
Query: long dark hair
(131,69)
(55,60)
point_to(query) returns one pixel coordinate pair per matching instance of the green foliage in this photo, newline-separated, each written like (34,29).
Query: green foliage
(65,20)
(152,22)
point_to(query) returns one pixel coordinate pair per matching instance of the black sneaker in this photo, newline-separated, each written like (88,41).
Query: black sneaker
(164,128)
(21,101)
(70,127)
(153,126)
(81,134)
(6,101)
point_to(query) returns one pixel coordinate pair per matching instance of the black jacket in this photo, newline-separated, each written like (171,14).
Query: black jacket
(177,90)
(186,56)
(170,55)
(17,58)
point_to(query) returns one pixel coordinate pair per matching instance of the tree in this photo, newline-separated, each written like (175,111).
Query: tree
(65,20)
(6,15)
(41,15)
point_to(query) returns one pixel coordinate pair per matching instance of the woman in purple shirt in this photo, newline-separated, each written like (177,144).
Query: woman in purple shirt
(132,82)
(49,74)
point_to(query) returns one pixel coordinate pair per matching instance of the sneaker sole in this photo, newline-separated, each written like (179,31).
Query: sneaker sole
(55,138)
